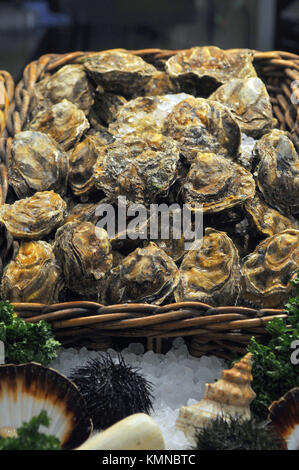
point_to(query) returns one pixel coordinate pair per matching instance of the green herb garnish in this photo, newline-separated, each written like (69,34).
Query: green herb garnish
(272,370)
(29,437)
(26,341)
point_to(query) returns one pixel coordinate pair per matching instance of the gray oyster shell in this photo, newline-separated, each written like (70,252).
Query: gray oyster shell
(146,275)
(201,125)
(63,121)
(33,276)
(37,163)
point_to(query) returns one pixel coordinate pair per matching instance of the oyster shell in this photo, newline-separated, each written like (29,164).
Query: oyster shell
(138,168)
(203,125)
(160,84)
(82,159)
(27,389)
(83,212)
(144,114)
(229,397)
(216,183)
(210,274)
(33,276)
(249,102)
(62,121)
(278,171)
(118,71)
(34,217)
(84,252)
(37,163)
(106,106)
(266,273)
(69,82)
(146,275)
(266,220)
(205,68)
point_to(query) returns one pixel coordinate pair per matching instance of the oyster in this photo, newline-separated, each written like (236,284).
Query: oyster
(216,183)
(85,212)
(37,163)
(118,71)
(107,105)
(160,84)
(69,82)
(146,275)
(33,276)
(249,102)
(266,220)
(203,125)
(266,273)
(278,171)
(210,274)
(82,159)
(84,252)
(62,121)
(205,68)
(34,217)
(137,168)
(144,114)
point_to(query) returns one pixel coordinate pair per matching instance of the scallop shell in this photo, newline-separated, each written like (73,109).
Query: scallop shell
(230,397)
(27,389)
(284,416)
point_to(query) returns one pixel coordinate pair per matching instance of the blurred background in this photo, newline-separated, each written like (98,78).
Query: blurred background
(29,29)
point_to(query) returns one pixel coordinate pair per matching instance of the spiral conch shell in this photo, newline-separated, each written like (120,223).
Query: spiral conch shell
(230,397)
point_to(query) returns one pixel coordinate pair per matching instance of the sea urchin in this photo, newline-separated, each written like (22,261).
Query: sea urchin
(112,390)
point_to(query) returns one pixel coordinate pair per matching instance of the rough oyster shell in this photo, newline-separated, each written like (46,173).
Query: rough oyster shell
(106,106)
(83,212)
(266,220)
(278,171)
(34,217)
(210,274)
(229,397)
(201,125)
(216,183)
(160,84)
(266,273)
(144,114)
(137,168)
(62,121)
(81,160)
(250,104)
(27,389)
(84,252)
(37,164)
(33,276)
(118,71)
(205,68)
(146,275)
(69,82)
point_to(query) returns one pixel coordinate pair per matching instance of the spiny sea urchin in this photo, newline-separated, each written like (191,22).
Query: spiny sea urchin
(112,390)
(237,434)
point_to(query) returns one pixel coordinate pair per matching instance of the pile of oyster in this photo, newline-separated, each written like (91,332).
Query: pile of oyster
(116,127)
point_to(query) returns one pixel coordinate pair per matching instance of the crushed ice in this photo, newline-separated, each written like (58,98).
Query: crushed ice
(178,379)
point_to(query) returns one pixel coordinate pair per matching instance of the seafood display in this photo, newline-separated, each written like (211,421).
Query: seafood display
(195,131)
(229,397)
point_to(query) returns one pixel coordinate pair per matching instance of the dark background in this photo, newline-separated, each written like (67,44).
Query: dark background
(29,29)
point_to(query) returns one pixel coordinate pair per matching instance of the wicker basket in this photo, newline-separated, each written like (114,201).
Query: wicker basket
(220,331)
